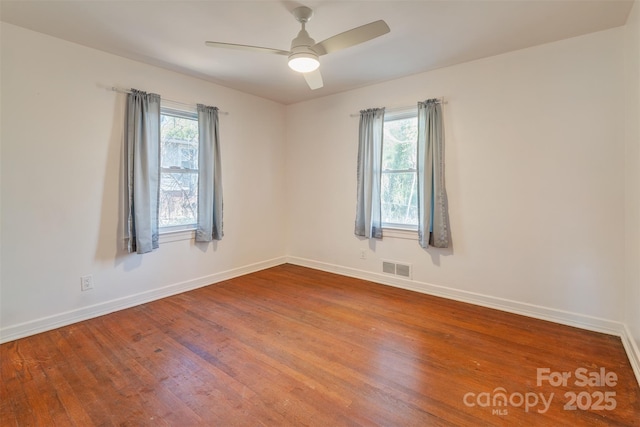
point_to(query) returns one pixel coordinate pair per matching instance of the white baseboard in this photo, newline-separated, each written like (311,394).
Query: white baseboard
(44,324)
(530,310)
(632,351)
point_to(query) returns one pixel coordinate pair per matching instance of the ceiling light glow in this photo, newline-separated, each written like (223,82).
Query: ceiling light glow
(304,62)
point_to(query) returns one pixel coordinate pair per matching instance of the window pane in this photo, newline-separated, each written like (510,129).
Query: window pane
(399,144)
(179,142)
(398,198)
(179,178)
(178,198)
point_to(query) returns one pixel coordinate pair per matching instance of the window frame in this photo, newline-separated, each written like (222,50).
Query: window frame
(183,231)
(390,229)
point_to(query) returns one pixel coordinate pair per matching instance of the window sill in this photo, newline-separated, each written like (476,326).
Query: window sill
(400,233)
(175,236)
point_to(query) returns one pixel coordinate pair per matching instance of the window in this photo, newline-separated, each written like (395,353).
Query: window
(399,174)
(178,207)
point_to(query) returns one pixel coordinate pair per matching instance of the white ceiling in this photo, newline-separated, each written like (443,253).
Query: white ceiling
(424,35)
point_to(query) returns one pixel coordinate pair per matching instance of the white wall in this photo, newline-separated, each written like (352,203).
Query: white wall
(61,149)
(534,172)
(632,171)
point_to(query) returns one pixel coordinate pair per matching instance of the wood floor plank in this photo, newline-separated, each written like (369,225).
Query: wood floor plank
(91,374)
(208,390)
(142,376)
(74,408)
(295,346)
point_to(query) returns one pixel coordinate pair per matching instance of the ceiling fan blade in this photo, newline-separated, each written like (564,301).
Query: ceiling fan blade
(351,37)
(247,47)
(314,79)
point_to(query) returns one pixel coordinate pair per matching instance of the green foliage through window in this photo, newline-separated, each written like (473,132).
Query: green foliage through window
(399,178)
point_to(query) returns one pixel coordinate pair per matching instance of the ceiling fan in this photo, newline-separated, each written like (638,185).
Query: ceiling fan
(304,53)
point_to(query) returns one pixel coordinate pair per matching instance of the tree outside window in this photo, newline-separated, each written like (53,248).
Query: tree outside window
(399,173)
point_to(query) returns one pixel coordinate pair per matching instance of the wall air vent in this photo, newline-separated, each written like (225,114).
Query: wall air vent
(403,270)
(397,269)
(388,267)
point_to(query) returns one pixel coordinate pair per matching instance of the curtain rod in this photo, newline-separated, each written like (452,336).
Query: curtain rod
(440,101)
(120,90)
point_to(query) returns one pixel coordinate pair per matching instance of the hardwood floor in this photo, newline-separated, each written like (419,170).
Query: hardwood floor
(294,346)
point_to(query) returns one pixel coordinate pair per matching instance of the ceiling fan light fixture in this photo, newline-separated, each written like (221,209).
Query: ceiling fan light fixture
(304,53)
(304,62)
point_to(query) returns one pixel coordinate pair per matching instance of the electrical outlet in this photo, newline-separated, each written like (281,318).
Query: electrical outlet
(86,282)
(363,254)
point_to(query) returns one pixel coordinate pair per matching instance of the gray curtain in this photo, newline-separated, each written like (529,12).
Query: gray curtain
(433,218)
(210,176)
(142,150)
(368,209)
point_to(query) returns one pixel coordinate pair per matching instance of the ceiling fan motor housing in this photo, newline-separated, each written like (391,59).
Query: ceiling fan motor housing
(303,58)
(303,42)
